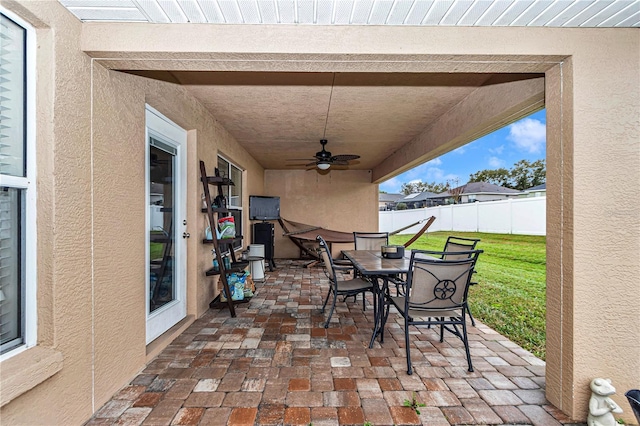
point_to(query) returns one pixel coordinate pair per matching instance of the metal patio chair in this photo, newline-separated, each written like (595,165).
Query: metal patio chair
(436,294)
(457,245)
(346,288)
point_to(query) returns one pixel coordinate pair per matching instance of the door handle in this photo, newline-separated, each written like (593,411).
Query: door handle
(185,235)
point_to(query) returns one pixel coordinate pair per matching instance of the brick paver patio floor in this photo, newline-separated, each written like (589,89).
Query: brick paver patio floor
(275,364)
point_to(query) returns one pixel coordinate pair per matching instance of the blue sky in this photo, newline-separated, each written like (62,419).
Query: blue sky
(524,139)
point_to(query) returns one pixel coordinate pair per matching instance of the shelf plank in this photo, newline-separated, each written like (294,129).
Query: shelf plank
(217,304)
(216,210)
(235,267)
(227,241)
(219,180)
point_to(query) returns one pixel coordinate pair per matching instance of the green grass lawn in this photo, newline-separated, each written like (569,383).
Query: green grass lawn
(510,295)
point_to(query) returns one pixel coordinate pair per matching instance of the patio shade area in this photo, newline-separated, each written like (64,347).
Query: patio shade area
(276,364)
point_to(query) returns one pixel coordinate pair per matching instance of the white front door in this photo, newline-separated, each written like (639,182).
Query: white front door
(166,225)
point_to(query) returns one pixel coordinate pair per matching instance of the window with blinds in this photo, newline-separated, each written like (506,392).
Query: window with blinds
(14,182)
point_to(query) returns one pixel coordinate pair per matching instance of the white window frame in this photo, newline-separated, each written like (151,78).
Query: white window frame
(227,192)
(28,184)
(226,173)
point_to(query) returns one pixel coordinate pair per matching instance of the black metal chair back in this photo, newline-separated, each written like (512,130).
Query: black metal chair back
(436,293)
(455,245)
(370,240)
(337,287)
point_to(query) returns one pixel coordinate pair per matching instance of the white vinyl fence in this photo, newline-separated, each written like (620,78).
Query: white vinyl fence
(526,216)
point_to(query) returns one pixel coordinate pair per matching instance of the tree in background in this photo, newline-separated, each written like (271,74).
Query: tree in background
(416,187)
(456,193)
(523,175)
(499,177)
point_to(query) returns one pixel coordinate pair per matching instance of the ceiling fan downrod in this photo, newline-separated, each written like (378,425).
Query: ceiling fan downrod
(324,154)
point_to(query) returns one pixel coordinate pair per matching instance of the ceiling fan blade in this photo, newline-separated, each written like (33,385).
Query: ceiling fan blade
(344,157)
(323,159)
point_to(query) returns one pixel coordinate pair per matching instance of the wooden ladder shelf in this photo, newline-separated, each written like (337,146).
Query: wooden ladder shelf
(212,214)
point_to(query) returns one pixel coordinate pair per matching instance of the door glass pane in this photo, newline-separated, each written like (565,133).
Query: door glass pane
(12,96)
(162,232)
(10,268)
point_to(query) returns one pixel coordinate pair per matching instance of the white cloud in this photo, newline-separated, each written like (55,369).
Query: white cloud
(460,150)
(498,150)
(391,186)
(434,174)
(528,135)
(496,162)
(434,162)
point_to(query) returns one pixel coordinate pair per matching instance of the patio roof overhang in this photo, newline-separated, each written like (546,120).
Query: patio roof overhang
(395,110)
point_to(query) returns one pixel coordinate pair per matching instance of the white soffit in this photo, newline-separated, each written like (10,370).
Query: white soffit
(517,13)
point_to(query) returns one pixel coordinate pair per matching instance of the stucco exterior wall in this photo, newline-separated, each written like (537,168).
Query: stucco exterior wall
(606,300)
(334,200)
(64,272)
(593,141)
(208,139)
(91,165)
(91,218)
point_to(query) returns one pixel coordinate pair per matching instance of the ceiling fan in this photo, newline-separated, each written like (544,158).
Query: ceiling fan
(323,159)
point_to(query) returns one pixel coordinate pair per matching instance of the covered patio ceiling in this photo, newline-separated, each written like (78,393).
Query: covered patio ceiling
(279,118)
(384,117)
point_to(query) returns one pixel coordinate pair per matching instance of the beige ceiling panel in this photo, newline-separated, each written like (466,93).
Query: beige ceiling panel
(503,100)
(279,117)
(376,120)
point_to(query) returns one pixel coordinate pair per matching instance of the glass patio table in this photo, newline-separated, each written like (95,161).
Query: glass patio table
(378,269)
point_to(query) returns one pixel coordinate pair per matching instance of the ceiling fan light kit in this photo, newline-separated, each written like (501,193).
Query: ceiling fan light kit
(323,160)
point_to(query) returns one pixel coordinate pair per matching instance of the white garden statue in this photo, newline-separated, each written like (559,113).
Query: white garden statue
(601,407)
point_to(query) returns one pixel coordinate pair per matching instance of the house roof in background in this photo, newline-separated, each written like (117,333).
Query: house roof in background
(389,198)
(541,187)
(479,188)
(422,196)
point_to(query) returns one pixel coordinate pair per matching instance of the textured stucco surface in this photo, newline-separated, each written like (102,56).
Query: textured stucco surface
(555,237)
(90,252)
(487,109)
(64,219)
(206,140)
(119,222)
(331,200)
(606,224)
(91,240)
